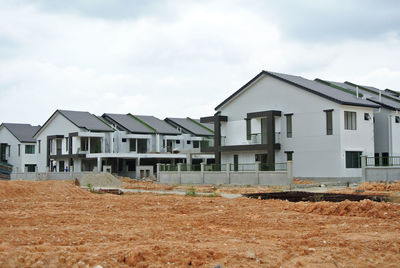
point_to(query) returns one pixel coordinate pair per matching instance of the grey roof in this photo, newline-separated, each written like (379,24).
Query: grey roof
(160,126)
(190,126)
(128,122)
(207,125)
(23,132)
(372,94)
(310,86)
(85,120)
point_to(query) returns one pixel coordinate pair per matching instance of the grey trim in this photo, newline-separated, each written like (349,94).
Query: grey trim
(263,114)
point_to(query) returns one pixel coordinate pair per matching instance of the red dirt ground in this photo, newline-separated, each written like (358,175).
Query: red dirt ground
(53,224)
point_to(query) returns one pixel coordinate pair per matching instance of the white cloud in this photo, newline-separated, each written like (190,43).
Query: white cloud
(183,64)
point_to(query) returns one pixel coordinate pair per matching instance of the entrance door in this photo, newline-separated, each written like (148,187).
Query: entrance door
(61,166)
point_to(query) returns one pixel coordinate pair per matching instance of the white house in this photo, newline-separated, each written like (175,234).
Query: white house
(140,142)
(18,147)
(66,139)
(386,119)
(277,117)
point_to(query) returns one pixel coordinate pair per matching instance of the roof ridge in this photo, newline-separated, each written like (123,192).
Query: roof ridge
(337,87)
(369,90)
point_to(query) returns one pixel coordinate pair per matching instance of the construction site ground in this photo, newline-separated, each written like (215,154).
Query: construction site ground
(57,224)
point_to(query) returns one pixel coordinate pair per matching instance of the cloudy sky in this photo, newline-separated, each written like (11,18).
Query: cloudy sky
(182,58)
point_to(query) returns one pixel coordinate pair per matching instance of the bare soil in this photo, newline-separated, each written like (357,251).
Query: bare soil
(57,224)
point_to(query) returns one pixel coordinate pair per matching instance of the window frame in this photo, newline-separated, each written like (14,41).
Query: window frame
(289,125)
(31,150)
(350,120)
(351,157)
(329,121)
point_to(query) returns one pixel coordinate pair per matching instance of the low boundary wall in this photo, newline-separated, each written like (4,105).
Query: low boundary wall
(33,176)
(226,177)
(379,173)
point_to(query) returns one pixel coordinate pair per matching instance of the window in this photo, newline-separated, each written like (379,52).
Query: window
(142,146)
(289,132)
(196,144)
(397,119)
(329,123)
(84,143)
(188,142)
(29,149)
(39,146)
(248,129)
(353,159)
(350,120)
(178,141)
(30,168)
(66,144)
(19,149)
(367,117)
(123,140)
(289,156)
(132,145)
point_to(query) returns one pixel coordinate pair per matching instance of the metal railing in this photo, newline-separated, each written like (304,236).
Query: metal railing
(273,166)
(261,138)
(209,142)
(383,161)
(223,167)
(243,167)
(190,167)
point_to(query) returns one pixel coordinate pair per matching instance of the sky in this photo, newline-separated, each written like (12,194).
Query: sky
(182,58)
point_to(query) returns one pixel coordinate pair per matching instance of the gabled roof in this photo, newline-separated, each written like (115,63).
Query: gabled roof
(310,86)
(158,125)
(128,122)
(85,120)
(207,125)
(191,126)
(81,119)
(23,132)
(370,93)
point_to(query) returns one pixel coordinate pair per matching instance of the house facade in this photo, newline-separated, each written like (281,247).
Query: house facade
(276,117)
(18,147)
(66,139)
(141,141)
(386,119)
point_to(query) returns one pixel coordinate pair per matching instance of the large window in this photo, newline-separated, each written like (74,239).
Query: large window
(132,145)
(30,168)
(329,123)
(29,149)
(142,146)
(353,159)
(350,120)
(289,132)
(84,143)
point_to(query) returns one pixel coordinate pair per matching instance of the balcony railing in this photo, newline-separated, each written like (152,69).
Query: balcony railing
(383,161)
(209,142)
(261,138)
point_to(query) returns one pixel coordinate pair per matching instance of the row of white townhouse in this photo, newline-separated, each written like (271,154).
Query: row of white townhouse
(322,126)
(126,144)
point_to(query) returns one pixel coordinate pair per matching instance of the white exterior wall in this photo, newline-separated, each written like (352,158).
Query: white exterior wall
(59,125)
(394,138)
(18,161)
(315,153)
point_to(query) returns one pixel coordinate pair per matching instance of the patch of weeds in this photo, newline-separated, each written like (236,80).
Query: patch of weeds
(318,198)
(90,187)
(191,192)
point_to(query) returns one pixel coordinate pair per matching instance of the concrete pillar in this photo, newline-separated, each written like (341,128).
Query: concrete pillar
(99,164)
(363,166)
(180,172)
(290,170)
(202,172)
(228,171)
(189,159)
(158,171)
(257,170)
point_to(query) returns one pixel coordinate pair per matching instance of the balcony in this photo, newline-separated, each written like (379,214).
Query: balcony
(261,138)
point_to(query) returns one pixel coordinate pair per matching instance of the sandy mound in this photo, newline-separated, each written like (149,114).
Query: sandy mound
(100,180)
(371,186)
(364,208)
(39,189)
(129,183)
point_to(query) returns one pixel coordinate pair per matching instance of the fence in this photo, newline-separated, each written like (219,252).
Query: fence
(33,176)
(385,168)
(237,174)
